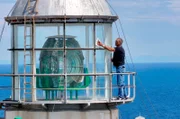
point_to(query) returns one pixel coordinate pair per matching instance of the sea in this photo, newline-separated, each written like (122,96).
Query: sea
(157,91)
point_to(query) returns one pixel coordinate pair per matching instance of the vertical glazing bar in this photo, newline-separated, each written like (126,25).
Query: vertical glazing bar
(87,53)
(110,81)
(129,86)
(58,28)
(87,46)
(94,61)
(107,36)
(134,87)
(14,58)
(110,87)
(58,94)
(47,94)
(13,61)
(33,63)
(106,60)
(65,77)
(24,80)
(19,87)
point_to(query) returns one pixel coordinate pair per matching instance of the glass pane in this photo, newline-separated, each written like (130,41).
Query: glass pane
(103,57)
(22,62)
(100,61)
(81,57)
(50,61)
(45,33)
(20,37)
(24,36)
(104,33)
(47,91)
(81,33)
(80,90)
(74,61)
(89,62)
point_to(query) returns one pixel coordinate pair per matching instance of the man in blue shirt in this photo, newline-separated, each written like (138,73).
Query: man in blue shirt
(118,62)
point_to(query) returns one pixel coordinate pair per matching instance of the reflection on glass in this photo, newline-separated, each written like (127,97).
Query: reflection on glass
(74,54)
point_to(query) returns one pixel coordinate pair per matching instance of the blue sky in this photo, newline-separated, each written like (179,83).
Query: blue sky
(151,28)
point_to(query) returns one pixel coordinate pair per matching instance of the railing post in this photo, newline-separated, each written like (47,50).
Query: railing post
(134,87)
(129,88)
(19,88)
(110,87)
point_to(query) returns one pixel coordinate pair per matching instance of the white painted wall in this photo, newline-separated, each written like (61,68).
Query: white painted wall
(105,114)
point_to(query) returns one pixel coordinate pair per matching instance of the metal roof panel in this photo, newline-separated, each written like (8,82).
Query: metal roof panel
(61,7)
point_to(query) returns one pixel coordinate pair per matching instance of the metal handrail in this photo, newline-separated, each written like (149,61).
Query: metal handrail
(72,74)
(130,85)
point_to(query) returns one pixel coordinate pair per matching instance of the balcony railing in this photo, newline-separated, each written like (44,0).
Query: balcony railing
(102,88)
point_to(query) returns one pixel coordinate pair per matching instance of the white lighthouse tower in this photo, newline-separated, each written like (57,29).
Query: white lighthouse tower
(58,72)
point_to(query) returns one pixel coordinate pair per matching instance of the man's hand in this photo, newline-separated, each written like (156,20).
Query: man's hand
(99,43)
(105,46)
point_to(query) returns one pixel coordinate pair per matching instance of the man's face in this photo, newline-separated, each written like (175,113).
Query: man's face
(118,42)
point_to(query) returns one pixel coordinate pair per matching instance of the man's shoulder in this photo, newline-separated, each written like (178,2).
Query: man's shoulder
(119,47)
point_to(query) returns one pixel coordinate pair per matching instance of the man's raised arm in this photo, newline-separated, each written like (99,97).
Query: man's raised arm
(105,47)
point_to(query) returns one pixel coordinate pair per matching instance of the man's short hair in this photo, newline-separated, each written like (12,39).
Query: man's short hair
(120,40)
